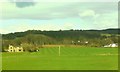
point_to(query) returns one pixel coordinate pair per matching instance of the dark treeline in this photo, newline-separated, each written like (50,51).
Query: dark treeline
(38,38)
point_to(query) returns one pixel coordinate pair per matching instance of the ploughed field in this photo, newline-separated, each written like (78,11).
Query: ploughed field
(69,59)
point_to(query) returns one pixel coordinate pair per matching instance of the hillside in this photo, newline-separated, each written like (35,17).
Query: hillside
(64,33)
(37,38)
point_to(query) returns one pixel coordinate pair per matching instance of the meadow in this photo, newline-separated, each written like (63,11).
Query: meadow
(70,58)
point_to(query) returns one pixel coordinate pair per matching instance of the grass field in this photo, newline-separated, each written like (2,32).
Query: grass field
(69,59)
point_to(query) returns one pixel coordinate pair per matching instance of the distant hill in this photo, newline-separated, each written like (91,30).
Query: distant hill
(63,33)
(37,38)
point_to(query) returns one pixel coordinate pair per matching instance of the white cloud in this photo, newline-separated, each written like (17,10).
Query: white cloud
(48,26)
(3,31)
(68,25)
(38,11)
(72,0)
(107,21)
(87,13)
(53,10)
(92,15)
(94,20)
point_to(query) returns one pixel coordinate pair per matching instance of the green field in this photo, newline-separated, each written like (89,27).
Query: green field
(69,59)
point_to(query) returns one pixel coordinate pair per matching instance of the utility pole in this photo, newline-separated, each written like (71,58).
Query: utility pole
(59,50)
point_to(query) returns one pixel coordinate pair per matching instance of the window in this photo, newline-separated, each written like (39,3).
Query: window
(11,47)
(20,50)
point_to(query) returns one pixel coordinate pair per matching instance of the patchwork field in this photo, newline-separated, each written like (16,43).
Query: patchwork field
(69,59)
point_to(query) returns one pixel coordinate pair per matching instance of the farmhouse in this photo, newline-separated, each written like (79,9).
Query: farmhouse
(14,49)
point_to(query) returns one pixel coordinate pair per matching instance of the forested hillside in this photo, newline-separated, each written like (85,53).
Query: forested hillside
(38,38)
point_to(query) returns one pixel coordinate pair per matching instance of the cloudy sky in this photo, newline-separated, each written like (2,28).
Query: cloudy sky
(22,16)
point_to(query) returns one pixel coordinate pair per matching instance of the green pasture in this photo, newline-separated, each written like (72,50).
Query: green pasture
(69,59)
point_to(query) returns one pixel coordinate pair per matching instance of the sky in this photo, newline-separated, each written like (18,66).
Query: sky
(34,15)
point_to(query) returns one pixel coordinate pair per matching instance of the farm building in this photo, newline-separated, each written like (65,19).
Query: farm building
(14,49)
(112,45)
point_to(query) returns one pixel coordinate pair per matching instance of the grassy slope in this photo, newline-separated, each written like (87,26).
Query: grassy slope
(70,59)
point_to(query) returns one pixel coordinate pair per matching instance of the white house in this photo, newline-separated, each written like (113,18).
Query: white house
(14,49)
